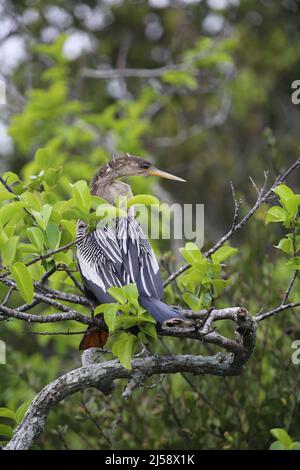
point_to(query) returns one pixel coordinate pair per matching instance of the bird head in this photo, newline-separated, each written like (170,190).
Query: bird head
(104,184)
(130,165)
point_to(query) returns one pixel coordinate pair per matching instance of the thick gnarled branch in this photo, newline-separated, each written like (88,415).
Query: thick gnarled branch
(102,376)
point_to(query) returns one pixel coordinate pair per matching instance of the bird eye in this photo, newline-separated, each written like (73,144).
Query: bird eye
(145,165)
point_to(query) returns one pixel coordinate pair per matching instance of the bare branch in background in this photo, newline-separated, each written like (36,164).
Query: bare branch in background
(275,311)
(261,199)
(109,73)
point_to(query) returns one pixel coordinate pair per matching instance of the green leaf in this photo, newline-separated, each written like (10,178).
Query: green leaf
(5,431)
(8,251)
(3,236)
(291,205)
(223,253)
(282,436)
(277,446)
(286,245)
(127,321)
(118,294)
(10,177)
(218,285)
(110,315)
(9,211)
(97,201)
(283,191)
(143,199)
(25,248)
(295,446)
(124,348)
(43,217)
(294,263)
(31,201)
(44,158)
(36,237)
(180,78)
(21,410)
(81,195)
(53,235)
(70,226)
(5,196)
(192,279)
(51,176)
(150,330)
(22,276)
(131,294)
(6,413)
(192,254)
(276,214)
(192,301)
(207,300)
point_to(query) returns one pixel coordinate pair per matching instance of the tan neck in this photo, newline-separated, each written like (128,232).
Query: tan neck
(110,191)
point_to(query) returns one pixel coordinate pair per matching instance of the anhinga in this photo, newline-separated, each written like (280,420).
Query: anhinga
(120,255)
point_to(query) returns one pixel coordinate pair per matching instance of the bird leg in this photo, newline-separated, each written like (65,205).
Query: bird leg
(92,307)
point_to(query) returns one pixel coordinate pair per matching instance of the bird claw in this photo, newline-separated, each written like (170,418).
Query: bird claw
(176,322)
(91,356)
(144,352)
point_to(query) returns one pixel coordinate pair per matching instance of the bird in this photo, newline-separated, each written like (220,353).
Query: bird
(120,253)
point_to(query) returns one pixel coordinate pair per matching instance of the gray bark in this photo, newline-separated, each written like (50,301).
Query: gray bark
(102,376)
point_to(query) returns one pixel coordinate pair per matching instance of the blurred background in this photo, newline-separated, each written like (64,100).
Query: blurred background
(202,87)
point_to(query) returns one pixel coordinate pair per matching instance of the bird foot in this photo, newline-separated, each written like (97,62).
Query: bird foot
(144,352)
(92,356)
(177,322)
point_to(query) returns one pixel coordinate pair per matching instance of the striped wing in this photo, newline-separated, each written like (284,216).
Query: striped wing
(99,260)
(109,257)
(138,257)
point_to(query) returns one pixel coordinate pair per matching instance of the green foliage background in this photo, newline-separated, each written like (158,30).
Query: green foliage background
(69,124)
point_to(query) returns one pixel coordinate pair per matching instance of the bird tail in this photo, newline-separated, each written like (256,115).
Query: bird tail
(94,338)
(158,309)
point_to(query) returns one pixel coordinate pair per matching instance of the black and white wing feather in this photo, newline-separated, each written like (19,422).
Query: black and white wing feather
(115,257)
(99,260)
(138,257)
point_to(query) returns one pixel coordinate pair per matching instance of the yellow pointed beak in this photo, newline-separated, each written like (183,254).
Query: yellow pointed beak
(163,174)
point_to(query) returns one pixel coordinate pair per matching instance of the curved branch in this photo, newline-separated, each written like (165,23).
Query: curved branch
(101,376)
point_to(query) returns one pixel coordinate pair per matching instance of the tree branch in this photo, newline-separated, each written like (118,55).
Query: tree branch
(194,330)
(101,376)
(275,311)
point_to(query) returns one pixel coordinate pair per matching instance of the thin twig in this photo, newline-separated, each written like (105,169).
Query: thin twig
(275,311)
(72,277)
(262,198)
(289,288)
(8,294)
(94,421)
(295,274)
(54,333)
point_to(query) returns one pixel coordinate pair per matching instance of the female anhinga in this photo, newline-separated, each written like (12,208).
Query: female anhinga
(120,255)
